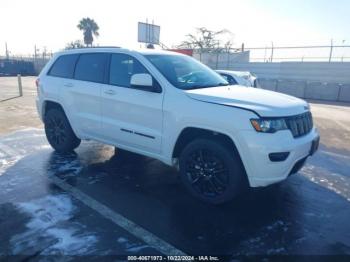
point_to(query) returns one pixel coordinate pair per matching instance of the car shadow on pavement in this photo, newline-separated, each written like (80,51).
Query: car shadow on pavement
(293,217)
(150,194)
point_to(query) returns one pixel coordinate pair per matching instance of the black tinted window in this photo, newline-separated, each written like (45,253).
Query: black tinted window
(91,67)
(122,68)
(64,66)
(229,79)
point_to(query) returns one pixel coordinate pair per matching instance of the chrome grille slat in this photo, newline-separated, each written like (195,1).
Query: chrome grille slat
(300,125)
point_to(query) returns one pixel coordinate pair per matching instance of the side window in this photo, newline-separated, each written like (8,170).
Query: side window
(91,67)
(224,77)
(64,66)
(122,68)
(229,79)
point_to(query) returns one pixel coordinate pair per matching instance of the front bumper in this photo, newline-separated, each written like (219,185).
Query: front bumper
(255,150)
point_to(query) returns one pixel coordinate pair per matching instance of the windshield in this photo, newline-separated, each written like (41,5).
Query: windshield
(186,73)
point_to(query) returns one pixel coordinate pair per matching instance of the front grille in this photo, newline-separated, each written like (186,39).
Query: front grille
(300,125)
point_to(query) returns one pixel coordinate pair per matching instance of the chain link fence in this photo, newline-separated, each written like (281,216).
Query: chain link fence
(321,53)
(271,54)
(24,65)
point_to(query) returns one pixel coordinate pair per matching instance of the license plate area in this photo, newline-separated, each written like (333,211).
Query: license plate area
(314,145)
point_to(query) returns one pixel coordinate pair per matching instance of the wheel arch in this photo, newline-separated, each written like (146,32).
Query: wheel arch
(50,104)
(188,134)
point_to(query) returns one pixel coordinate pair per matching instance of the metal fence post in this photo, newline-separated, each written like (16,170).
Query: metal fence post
(228,59)
(20,85)
(331,52)
(271,52)
(217,60)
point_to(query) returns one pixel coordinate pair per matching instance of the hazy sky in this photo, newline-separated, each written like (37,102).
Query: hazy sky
(52,23)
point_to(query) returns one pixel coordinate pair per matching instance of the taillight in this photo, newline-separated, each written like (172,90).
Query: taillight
(37,82)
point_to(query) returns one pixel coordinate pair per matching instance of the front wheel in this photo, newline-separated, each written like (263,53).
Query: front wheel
(211,172)
(59,133)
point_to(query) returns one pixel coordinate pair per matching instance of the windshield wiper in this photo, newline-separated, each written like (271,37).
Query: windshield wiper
(206,86)
(223,84)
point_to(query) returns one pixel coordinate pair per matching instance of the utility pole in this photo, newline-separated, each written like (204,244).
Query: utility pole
(342,58)
(271,52)
(147,30)
(152,33)
(331,52)
(35,52)
(6,51)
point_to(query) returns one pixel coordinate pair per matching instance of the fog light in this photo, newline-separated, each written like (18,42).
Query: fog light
(278,157)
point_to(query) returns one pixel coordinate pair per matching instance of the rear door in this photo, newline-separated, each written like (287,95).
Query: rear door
(60,73)
(83,93)
(131,117)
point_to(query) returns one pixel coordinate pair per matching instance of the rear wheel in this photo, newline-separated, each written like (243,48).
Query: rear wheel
(211,172)
(58,131)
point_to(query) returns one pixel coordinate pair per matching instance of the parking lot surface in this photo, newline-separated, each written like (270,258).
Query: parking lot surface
(99,201)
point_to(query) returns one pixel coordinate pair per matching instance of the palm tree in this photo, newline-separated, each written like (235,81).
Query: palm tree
(89,28)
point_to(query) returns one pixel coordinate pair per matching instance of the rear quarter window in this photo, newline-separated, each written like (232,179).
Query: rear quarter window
(64,66)
(91,67)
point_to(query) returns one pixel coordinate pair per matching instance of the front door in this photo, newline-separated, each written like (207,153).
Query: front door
(130,116)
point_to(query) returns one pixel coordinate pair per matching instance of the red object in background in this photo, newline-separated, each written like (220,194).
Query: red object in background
(188,52)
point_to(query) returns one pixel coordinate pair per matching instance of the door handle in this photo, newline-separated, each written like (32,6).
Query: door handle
(68,85)
(110,92)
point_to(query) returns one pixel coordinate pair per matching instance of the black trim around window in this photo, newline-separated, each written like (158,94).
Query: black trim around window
(155,81)
(104,68)
(55,62)
(107,71)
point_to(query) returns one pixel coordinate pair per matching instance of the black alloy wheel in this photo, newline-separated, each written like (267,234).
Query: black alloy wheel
(211,171)
(59,132)
(207,173)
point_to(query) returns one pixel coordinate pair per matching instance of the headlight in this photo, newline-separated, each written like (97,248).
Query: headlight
(269,125)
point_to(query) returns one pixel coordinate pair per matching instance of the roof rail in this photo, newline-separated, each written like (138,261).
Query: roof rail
(98,47)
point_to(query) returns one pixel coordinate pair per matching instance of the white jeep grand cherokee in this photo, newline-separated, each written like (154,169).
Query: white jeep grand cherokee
(171,107)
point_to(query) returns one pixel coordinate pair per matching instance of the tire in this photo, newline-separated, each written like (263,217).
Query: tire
(58,131)
(211,172)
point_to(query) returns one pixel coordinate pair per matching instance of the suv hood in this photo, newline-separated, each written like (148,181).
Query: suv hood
(264,102)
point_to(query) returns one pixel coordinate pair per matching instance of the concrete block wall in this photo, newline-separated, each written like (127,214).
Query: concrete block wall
(269,84)
(344,93)
(309,89)
(334,72)
(311,80)
(322,91)
(291,87)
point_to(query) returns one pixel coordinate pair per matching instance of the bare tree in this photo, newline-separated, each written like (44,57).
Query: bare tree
(209,40)
(74,44)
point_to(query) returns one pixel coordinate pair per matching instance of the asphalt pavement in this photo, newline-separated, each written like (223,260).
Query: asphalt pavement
(99,201)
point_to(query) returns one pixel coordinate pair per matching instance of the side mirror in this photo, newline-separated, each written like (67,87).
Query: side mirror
(142,82)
